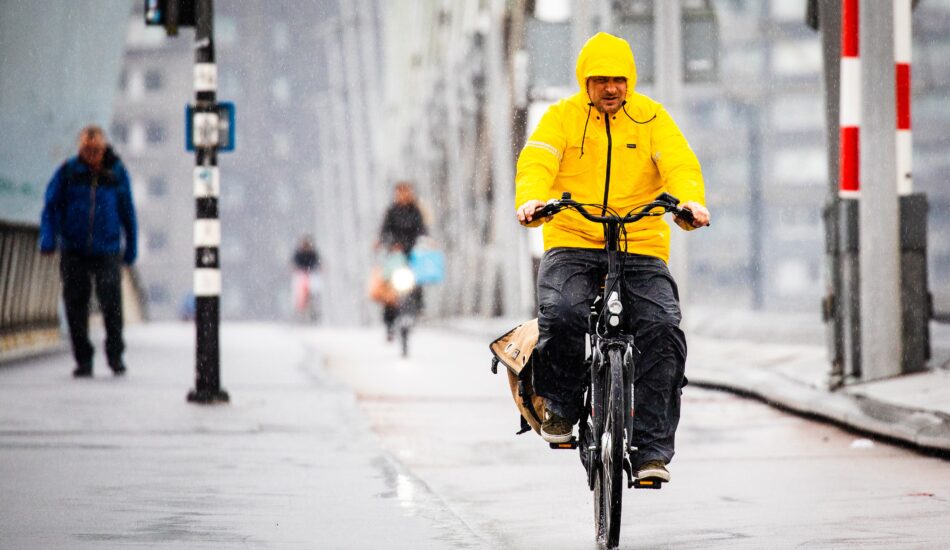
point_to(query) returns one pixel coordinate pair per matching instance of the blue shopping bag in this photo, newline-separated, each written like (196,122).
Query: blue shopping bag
(428,265)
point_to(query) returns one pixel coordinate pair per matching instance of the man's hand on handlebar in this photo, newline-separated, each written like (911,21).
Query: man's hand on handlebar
(700,216)
(527,210)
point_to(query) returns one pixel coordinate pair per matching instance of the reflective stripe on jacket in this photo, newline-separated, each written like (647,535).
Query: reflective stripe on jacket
(648,153)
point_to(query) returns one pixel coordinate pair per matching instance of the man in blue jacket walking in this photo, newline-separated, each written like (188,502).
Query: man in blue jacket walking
(87,212)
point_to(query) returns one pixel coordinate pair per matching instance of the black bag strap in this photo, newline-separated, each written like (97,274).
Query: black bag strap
(525,398)
(525,427)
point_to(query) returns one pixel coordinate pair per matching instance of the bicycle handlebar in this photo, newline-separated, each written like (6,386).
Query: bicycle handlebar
(668,202)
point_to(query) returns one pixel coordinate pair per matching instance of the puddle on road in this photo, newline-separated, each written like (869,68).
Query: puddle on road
(417,499)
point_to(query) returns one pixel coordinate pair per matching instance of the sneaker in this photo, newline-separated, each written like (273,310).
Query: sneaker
(653,469)
(118,369)
(555,429)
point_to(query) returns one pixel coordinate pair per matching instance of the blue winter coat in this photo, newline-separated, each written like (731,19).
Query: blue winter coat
(87,212)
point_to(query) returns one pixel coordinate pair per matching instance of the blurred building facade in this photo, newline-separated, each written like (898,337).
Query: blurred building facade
(336,102)
(55,77)
(265,66)
(758,128)
(930,75)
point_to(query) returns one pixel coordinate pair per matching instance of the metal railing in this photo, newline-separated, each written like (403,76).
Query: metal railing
(29,291)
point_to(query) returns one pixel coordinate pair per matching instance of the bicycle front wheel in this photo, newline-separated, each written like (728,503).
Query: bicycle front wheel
(608,484)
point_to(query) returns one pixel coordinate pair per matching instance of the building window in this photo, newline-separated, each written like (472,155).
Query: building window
(797,112)
(154,79)
(120,133)
(280,89)
(155,132)
(795,58)
(282,146)
(157,186)
(225,30)
(800,166)
(280,37)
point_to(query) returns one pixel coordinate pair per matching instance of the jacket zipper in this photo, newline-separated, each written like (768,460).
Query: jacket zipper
(92,210)
(609,151)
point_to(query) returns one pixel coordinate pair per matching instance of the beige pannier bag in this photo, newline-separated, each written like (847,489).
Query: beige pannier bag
(514,349)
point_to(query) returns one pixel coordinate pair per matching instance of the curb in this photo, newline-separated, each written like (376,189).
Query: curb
(925,430)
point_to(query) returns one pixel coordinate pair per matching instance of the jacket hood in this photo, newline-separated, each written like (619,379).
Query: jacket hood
(606,55)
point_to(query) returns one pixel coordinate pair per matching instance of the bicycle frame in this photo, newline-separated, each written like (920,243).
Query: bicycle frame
(614,336)
(608,426)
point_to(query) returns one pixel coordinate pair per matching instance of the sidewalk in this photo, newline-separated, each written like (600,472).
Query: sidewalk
(782,359)
(126,462)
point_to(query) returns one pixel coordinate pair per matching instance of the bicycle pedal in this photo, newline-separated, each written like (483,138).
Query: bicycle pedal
(572,444)
(646,484)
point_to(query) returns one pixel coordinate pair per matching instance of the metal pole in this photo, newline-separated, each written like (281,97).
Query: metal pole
(849,186)
(668,52)
(515,280)
(207,283)
(915,294)
(881,322)
(754,123)
(829,17)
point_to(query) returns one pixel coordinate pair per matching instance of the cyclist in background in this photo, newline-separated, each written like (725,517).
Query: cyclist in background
(306,281)
(610,146)
(403,224)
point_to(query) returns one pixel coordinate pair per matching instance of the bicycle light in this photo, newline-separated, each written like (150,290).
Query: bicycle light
(613,304)
(403,279)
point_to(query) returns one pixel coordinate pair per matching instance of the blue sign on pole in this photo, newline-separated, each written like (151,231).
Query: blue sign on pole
(225,128)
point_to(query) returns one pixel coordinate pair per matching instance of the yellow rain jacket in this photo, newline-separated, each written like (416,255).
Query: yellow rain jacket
(648,155)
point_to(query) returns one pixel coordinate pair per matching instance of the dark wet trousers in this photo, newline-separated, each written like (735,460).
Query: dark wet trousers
(79,272)
(568,281)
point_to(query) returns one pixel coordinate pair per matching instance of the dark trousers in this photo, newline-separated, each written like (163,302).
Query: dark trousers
(78,273)
(568,281)
(412,303)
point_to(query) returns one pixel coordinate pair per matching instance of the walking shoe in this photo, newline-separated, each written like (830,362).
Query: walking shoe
(118,369)
(82,371)
(653,469)
(555,429)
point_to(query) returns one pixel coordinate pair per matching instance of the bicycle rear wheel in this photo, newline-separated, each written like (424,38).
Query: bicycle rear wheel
(608,483)
(404,340)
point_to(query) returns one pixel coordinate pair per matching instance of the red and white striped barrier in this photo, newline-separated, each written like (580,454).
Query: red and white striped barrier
(902,49)
(849,185)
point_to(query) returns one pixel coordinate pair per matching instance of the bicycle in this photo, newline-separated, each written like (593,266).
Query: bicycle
(604,433)
(407,305)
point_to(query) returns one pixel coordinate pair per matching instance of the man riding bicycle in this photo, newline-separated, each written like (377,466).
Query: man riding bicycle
(611,146)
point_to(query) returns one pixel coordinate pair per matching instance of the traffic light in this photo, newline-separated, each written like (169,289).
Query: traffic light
(170,14)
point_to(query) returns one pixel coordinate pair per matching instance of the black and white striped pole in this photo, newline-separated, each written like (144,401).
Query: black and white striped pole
(207,183)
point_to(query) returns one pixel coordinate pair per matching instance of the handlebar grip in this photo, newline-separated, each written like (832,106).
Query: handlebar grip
(546,211)
(685,214)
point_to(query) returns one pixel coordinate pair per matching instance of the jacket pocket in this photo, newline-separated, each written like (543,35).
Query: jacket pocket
(574,164)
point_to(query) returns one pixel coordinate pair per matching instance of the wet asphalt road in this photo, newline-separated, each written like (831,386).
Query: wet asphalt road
(332,441)
(745,475)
